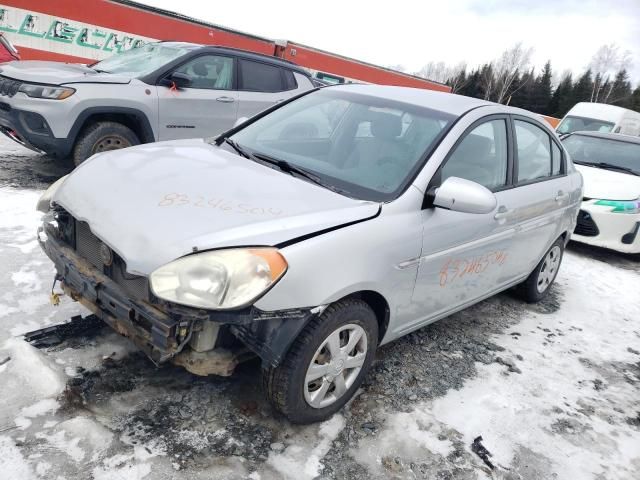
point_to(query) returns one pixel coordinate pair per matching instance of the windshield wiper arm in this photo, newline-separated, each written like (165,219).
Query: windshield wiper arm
(241,151)
(611,166)
(287,167)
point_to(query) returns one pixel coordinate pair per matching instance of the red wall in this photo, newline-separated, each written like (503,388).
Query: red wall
(155,25)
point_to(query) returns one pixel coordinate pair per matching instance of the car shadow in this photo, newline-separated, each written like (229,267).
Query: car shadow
(611,257)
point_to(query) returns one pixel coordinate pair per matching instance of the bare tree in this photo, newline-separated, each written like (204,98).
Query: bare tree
(443,73)
(607,60)
(505,70)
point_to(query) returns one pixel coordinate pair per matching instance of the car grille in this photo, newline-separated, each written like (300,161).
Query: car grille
(586,226)
(87,245)
(8,86)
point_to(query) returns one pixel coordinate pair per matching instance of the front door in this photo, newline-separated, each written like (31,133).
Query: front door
(466,256)
(207,107)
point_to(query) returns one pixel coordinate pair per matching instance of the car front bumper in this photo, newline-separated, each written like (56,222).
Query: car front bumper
(163,330)
(31,130)
(598,225)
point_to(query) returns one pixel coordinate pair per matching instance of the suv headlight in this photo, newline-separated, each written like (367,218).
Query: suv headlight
(44,202)
(51,92)
(619,206)
(219,279)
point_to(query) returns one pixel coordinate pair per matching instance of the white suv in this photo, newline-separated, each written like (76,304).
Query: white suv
(160,91)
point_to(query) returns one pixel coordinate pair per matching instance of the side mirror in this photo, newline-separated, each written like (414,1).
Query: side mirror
(240,121)
(180,80)
(464,196)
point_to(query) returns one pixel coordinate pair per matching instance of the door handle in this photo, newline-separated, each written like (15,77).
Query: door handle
(561,196)
(502,213)
(226,99)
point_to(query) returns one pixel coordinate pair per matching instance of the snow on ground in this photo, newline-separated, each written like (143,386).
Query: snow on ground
(552,389)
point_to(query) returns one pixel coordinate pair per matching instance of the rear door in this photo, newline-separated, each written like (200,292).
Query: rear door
(207,107)
(541,193)
(262,85)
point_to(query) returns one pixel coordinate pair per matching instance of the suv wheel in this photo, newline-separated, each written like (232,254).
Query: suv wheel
(538,284)
(102,137)
(326,363)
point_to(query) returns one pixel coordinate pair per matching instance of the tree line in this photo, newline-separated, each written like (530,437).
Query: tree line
(510,80)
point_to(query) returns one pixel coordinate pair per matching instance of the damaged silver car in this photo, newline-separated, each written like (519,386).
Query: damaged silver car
(313,233)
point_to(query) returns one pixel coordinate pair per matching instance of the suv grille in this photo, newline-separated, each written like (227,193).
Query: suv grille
(586,226)
(8,86)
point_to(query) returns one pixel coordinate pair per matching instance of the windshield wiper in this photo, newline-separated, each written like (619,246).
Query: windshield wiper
(611,166)
(287,167)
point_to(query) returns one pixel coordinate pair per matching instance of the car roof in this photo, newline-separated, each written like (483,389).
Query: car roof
(451,103)
(607,136)
(238,52)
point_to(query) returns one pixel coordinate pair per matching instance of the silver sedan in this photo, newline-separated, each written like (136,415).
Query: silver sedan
(314,232)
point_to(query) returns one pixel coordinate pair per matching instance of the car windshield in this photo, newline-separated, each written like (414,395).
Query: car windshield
(593,150)
(366,147)
(140,61)
(574,124)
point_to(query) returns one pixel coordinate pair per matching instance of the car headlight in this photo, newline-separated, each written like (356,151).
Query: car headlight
(51,92)
(219,279)
(620,206)
(44,202)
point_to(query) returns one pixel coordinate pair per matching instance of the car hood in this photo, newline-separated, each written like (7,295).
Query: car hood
(157,202)
(609,184)
(57,73)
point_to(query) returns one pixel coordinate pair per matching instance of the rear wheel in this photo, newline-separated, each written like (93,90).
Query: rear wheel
(102,137)
(326,363)
(538,284)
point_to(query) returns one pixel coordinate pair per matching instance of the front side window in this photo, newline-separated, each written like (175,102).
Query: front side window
(260,77)
(534,152)
(213,72)
(140,61)
(574,124)
(366,147)
(481,156)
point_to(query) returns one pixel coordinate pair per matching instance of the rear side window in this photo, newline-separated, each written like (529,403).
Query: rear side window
(534,152)
(481,156)
(260,77)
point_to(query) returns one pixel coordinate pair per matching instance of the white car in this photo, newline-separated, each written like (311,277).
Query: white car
(610,212)
(600,117)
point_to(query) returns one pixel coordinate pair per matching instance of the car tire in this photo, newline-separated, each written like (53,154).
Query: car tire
(101,137)
(538,284)
(286,385)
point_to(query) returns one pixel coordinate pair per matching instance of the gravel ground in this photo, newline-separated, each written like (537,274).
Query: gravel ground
(95,408)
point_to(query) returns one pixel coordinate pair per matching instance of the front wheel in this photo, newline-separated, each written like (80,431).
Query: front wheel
(326,363)
(102,137)
(538,284)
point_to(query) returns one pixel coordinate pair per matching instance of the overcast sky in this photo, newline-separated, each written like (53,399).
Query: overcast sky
(412,33)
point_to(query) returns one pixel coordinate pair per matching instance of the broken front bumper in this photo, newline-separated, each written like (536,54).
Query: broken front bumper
(163,330)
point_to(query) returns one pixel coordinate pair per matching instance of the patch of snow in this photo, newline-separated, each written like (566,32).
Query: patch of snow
(410,435)
(301,462)
(12,464)
(552,408)
(37,409)
(30,376)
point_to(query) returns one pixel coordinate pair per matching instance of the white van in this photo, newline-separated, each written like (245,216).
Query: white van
(600,117)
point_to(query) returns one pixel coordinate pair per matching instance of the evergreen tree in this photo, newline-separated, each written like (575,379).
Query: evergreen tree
(561,101)
(635,99)
(542,91)
(620,91)
(583,89)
